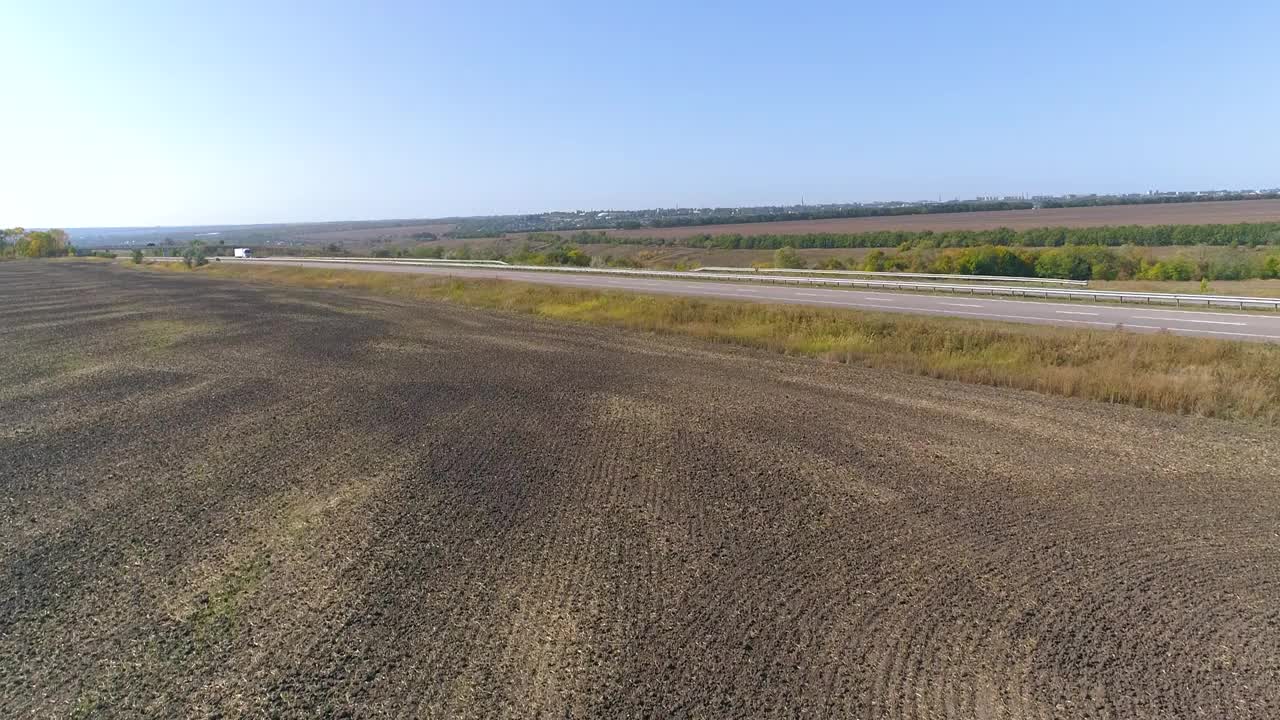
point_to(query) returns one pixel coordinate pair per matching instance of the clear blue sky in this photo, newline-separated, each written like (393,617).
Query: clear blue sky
(143,113)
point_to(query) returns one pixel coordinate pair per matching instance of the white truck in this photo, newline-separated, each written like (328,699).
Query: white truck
(244,253)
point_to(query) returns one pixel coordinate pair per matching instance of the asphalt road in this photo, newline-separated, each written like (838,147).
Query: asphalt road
(1259,326)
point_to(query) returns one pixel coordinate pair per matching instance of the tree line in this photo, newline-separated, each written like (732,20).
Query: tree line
(1071,263)
(1246,234)
(1074,262)
(838,213)
(1171,199)
(19,242)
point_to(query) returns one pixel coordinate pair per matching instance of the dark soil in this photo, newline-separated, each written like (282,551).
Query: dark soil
(219,499)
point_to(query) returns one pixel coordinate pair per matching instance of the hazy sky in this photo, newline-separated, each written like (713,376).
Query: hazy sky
(140,113)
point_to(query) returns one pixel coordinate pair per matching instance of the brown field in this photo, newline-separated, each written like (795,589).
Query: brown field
(1200,213)
(373,235)
(228,499)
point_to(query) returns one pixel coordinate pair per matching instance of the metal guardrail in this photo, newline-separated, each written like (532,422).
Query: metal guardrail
(441,261)
(926,276)
(1243,303)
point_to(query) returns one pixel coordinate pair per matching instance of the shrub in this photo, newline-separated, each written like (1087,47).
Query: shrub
(787,257)
(194,256)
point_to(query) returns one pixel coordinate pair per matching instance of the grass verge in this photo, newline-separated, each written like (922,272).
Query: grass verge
(1212,378)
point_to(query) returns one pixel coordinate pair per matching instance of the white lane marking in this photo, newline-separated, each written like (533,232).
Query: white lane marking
(845,303)
(1224,332)
(1260,314)
(960,304)
(1075,312)
(1206,322)
(800,294)
(1107,324)
(1025,317)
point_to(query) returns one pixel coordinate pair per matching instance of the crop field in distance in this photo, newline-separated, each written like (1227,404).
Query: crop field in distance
(229,498)
(1201,213)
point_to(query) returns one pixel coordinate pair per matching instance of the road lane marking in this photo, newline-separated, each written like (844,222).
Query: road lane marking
(1226,332)
(1260,314)
(1075,312)
(961,304)
(1206,322)
(1025,317)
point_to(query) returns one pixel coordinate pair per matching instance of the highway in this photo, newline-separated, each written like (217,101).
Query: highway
(1258,326)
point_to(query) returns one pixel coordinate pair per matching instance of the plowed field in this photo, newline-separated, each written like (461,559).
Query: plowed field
(1197,213)
(223,499)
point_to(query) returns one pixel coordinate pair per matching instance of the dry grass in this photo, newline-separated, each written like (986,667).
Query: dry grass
(1247,288)
(1214,378)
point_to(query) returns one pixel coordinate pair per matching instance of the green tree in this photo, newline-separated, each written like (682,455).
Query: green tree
(787,257)
(39,243)
(137,256)
(1069,263)
(1271,267)
(874,261)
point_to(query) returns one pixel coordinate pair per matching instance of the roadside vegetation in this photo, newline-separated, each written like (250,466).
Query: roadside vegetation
(1074,262)
(1213,378)
(1243,288)
(195,255)
(22,243)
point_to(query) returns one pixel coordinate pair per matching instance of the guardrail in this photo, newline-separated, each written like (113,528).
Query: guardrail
(926,276)
(441,261)
(1243,303)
